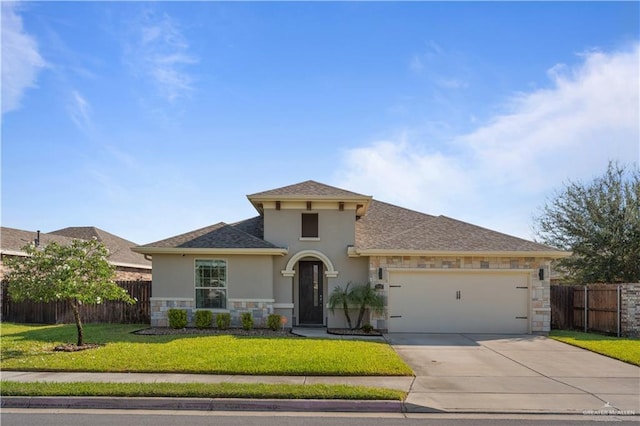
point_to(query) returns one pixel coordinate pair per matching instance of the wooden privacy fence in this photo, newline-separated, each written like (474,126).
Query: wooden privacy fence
(60,312)
(587,308)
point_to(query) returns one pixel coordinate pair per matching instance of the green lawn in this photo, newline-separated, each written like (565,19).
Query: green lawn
(29,348)
(201,390)
(624,349)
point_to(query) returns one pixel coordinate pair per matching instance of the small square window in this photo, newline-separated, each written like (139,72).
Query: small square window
(309,225)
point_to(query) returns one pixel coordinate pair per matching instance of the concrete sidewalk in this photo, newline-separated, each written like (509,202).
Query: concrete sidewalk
(454,373)
(206,404)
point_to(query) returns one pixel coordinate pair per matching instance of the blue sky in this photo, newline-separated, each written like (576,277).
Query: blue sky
(152,119)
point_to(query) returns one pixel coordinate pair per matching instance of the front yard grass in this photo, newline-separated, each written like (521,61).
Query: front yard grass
(201,390)
(624,349)
(30,348)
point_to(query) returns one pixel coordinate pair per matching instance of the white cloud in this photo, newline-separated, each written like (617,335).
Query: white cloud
(21,60)
(499,174)
(160,51)
(80,111)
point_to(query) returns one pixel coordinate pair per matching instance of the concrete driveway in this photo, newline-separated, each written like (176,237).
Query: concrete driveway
(508,373)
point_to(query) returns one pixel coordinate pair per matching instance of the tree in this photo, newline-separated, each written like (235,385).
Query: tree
(341,297)
(78,273)
(600,223)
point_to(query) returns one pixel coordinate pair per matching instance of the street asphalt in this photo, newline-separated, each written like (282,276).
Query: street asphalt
(454,373)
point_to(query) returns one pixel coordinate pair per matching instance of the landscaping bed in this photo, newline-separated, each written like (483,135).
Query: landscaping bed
(255,332)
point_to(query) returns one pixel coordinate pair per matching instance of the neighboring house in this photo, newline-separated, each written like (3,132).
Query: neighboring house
(437,274)
(130,266)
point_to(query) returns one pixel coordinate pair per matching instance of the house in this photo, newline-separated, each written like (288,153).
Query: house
(130,266)
(436,274)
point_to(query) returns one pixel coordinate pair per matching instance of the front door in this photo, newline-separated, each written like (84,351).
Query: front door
(310,292)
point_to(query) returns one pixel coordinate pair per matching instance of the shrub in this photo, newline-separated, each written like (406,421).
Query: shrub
(247,321)
(177,318)
(273,321)
(204,319)
(367,328)
(223,320)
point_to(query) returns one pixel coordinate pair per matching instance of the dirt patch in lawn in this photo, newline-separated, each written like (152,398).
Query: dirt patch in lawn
(75,348)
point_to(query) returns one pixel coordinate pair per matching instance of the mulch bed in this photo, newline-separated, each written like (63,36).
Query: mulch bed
(349,332)
(256,332)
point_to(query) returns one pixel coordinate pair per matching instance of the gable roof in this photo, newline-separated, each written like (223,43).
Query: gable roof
(307,191)
(120,252)
(13,240)
(218,238)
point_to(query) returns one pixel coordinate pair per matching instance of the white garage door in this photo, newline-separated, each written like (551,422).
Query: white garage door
(458,302)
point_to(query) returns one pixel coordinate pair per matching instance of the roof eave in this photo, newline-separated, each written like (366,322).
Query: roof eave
(131,265)
(257,201)
(552,254)
(182,250)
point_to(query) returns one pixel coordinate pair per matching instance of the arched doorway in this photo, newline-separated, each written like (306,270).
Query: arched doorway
(310,282)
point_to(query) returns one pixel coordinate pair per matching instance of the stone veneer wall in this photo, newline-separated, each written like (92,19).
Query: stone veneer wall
(160,306)
(540,314)
(630,310)
(260,310)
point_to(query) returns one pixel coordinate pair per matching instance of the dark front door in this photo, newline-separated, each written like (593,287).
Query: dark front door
(310,292)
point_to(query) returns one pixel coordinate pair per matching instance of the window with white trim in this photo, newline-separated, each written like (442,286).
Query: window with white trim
(211,284)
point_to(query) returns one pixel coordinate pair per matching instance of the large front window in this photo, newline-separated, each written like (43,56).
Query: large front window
(211,284)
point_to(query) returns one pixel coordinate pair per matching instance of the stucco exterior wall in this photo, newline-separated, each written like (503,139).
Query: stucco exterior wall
(249,287)
(336,231)
(248,277)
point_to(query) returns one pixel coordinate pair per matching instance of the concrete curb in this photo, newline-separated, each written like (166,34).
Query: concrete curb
(203,404)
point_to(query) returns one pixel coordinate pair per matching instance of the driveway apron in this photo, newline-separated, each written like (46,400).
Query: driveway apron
(514,373)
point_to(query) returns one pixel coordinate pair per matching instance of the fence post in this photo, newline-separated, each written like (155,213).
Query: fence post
(586,309)
(618,313)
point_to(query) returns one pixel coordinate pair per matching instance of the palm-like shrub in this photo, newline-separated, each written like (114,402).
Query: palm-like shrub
(341,297)
(361,296)
(364,296)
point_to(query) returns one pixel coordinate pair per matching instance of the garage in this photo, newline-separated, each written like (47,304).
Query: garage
(458,302)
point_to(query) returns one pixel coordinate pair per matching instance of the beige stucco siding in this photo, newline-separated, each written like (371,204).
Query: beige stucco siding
(248,277)
(336,231)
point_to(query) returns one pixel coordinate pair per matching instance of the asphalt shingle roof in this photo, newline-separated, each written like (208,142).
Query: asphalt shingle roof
(220,235)
(119,248)
(383,227)
(309,188)
(14,240)
(389,227)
